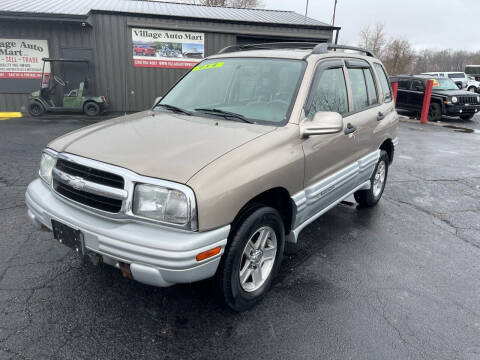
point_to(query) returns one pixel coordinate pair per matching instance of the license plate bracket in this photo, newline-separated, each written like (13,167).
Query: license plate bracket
(68,236)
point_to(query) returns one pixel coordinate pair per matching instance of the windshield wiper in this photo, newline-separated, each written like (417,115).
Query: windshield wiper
(175,109)
(226,114)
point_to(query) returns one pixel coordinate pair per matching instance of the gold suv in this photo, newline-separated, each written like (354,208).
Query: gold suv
(247,149)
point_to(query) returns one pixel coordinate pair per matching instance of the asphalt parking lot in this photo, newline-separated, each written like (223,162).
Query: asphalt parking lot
(400,281)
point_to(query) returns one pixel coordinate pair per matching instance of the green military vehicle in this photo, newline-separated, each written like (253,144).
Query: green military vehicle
(65,88)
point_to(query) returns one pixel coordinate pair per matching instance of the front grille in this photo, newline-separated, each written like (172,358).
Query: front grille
(90,174)
(70,191)
(85,198)
(467,99)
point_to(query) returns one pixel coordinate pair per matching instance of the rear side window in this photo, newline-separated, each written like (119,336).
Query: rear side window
(372,92)
(385,84)
(359,89)
(329,93)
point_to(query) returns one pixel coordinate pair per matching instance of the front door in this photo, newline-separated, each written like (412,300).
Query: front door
(328,158)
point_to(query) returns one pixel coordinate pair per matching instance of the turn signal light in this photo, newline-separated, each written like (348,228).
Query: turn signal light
(209,253)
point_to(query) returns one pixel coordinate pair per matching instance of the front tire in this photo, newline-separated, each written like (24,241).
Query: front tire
(252,258)
(370,197)
(472,89)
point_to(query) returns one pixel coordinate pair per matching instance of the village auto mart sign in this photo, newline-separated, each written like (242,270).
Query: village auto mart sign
(22,58)
(166,48)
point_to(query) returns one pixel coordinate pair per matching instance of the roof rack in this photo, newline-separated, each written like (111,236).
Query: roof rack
(317,48)
(325,47)
(266,46)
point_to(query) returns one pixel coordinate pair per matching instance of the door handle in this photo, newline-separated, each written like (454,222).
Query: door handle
(350,129)
(380,116)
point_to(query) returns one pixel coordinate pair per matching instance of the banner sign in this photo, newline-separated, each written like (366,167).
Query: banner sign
(166,48)
(22,58)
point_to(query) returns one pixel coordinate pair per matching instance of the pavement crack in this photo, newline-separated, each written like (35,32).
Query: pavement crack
(439,217)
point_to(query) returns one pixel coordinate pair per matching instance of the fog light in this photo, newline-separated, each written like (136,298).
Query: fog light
(209,253)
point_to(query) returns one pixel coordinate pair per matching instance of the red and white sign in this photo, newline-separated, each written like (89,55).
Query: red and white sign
(22,58)
(166,49)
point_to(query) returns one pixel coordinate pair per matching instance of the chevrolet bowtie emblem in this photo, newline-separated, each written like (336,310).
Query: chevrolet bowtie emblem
(77,183)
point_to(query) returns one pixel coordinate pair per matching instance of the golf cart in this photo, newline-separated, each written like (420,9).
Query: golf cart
(65,88)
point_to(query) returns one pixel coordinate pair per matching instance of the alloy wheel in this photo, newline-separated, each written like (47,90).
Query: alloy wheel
(258,259)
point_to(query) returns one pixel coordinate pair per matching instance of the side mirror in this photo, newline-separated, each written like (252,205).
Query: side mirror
(157,100)
(323,122)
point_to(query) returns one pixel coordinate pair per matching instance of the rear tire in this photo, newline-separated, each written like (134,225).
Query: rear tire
(435,112)
(370,197)
(467,117)
(252,259)
(91,108)
(35,108)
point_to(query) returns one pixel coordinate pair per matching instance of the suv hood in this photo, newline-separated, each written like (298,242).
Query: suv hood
(159,144)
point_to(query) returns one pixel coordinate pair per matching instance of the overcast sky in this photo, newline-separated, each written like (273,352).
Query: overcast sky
(426,23)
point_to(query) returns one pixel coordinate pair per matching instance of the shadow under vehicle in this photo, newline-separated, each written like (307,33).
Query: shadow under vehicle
(66,88)
(446,100)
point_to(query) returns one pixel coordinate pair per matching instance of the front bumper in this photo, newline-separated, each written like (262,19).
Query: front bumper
(156,255)
(457,110)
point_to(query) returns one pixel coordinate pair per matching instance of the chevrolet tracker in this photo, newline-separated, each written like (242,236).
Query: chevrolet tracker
(247,149)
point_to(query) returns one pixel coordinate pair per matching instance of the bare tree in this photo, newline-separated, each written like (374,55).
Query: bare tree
(373,39)
(398,56)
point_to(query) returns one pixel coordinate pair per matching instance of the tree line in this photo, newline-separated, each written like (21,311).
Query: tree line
(399,57)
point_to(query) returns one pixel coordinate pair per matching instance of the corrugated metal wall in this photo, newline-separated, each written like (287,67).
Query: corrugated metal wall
(128,88)
(59,35)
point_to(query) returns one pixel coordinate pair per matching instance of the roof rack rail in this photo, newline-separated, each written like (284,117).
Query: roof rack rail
(325,47)
(264,46)
(317,48)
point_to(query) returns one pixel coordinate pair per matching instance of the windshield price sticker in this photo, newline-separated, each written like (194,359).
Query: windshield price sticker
(208,66)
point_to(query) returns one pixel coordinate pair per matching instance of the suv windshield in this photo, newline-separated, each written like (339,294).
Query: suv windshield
(258,89)
(444,84)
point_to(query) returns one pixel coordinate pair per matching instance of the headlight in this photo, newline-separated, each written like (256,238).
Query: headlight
(478,99)
(47,163)
(161,203)
(454,100)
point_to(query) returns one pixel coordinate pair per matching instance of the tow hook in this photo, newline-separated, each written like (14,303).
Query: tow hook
(94,258)
(125,269)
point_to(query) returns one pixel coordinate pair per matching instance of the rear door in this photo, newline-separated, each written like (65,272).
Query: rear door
(389,116)
(417,92)
(403,94)
(366,108)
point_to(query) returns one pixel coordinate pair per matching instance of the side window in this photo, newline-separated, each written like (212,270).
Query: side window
(418,85)
(359,89)
(329,93)
(404,84)
(385,84)
(372,91)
